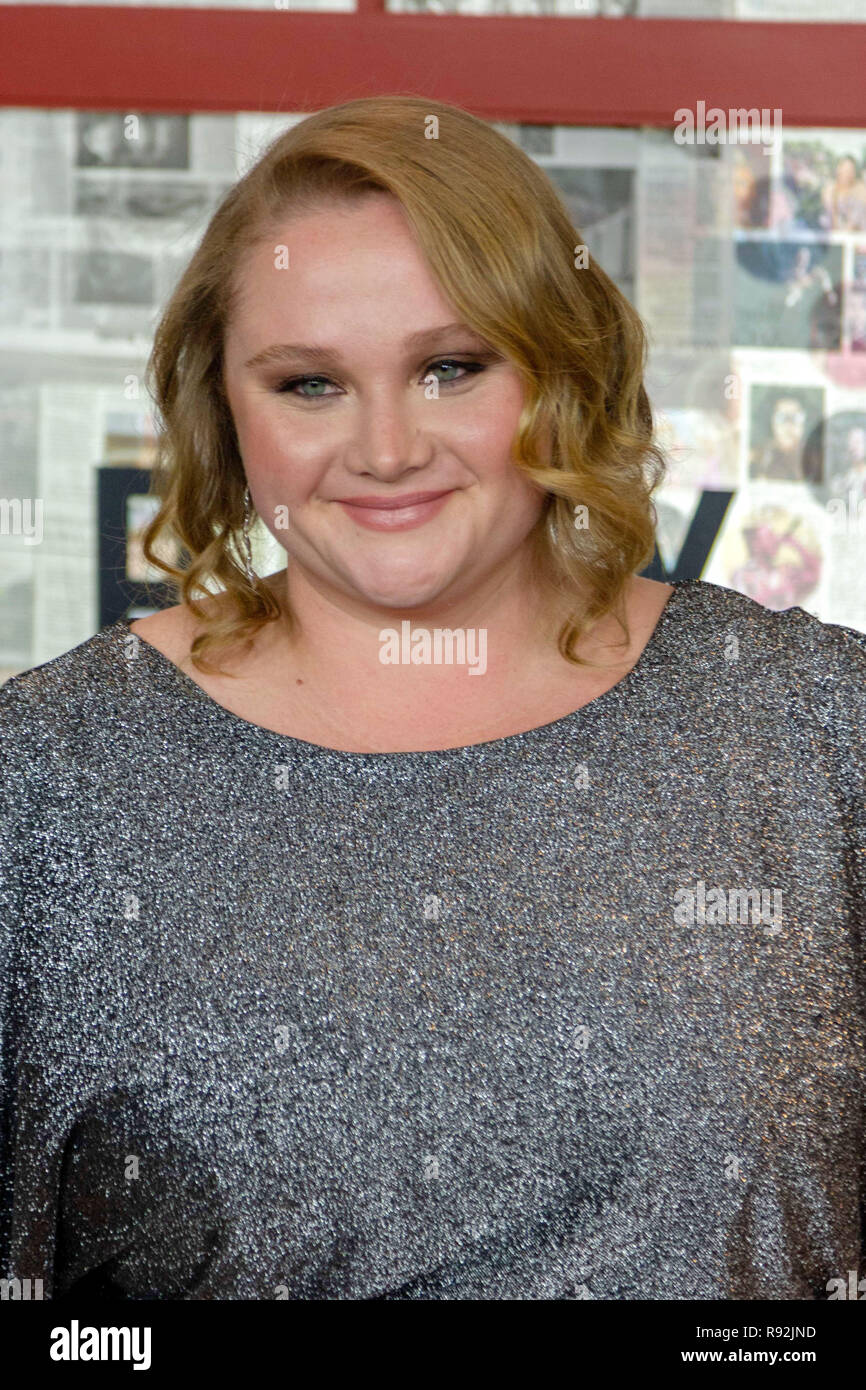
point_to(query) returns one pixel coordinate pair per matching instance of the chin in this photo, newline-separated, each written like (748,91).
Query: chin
(405,590)
(399,600)
(397,596)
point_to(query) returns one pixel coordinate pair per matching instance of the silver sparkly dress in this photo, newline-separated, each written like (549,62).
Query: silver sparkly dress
(574,1013)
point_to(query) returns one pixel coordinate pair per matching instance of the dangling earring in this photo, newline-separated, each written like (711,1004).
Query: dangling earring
(248,554)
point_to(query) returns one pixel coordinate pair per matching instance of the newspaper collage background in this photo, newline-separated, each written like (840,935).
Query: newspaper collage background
(746,261)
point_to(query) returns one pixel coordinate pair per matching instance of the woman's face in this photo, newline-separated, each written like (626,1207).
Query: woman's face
(380,419)
(788,421)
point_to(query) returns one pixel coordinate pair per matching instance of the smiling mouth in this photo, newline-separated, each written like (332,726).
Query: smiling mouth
(395,513)
(387,504)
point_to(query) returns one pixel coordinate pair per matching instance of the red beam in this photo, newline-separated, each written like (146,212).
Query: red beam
(546,71)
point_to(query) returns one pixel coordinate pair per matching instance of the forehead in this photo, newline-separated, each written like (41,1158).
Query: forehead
(357,258)
(362,232)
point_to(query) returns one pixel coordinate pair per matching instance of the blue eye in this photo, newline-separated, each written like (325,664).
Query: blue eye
(290,385)
(448,363)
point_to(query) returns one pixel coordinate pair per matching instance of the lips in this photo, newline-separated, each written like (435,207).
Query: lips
(395,513)
(388,504)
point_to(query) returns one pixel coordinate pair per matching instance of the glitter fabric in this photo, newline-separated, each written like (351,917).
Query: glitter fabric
(499,1021)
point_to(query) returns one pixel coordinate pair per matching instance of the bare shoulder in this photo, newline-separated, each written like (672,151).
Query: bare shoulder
(644,601)
(647,600)
(172,630)
(650,595)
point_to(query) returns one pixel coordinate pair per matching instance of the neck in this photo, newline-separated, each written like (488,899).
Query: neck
(511,617)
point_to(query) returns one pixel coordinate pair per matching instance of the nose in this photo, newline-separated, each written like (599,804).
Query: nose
(389,440)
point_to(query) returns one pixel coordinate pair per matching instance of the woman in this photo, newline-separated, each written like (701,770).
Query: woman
(844,199)
(336,972)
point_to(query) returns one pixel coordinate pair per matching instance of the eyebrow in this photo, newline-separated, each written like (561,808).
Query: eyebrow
(326,357)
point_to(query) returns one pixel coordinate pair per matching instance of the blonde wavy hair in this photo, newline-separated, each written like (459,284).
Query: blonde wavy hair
(501,244)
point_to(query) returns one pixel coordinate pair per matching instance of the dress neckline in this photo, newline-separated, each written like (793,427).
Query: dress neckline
(180,683)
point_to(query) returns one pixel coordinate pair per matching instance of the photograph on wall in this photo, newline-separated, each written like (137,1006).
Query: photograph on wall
(785,439)
(855,318)
(759,199)
(109,140)
(772,550)
(787,294)
(695,398)
(141,508)
(601,203)
(845,445)
(824,172)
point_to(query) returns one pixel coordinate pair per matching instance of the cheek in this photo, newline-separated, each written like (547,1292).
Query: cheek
(485,434)
(275,456)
